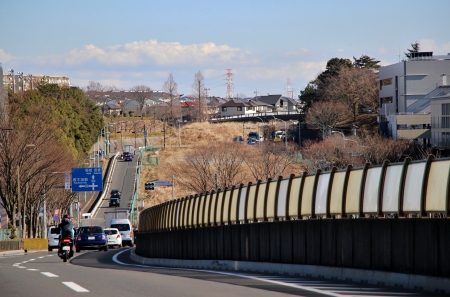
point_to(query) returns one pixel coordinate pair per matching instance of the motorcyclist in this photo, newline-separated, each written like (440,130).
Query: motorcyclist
(66,229)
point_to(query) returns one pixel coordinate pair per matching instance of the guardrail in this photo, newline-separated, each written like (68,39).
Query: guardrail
(410,189)
(133,217)
(94,208)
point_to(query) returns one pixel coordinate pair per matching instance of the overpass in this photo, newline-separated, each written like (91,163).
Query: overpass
(389,219)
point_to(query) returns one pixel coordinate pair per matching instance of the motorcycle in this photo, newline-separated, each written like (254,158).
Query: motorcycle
(65,251)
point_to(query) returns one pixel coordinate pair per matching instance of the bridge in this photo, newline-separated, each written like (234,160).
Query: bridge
(390,220)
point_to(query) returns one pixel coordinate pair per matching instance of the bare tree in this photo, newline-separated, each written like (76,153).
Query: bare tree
(328,113)
(352,87)
(269,160)
(29,151)
(199,93)
(170,87)
(210,167)
(140,93)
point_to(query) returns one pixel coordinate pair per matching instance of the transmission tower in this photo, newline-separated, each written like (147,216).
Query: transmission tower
(229,84)
(289,88)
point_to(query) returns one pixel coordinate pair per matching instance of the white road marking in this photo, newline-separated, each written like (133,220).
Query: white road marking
(321,287)
(31,259)
(33,269)
(75,287)
(41,257)
(49,274)
(21,267)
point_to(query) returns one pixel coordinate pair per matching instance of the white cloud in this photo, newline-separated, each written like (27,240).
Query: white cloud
(4,57)
(152,52)
(429,45)
(382,50)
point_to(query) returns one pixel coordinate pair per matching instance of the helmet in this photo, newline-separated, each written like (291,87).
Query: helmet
(66,216)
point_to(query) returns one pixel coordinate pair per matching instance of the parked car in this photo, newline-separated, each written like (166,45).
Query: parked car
(256,136)
(114,237)
(114,201)
(115,193)
(91,238)
(125,229)
(53,237)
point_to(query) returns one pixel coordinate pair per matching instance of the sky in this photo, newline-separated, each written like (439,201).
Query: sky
(263,42)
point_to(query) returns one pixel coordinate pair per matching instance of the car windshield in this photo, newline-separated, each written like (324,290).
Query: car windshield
(54,230)
(91,230)
(121,227)
(110,232)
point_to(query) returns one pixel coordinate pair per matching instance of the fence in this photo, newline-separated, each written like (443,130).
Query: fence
(409,189)
(5,233)
(414,246)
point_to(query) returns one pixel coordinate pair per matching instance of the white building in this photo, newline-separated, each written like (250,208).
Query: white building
(406,91)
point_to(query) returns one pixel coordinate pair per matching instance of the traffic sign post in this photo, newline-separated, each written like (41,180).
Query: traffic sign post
(87,179)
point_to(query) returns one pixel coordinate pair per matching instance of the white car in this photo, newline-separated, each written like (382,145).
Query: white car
(113,237)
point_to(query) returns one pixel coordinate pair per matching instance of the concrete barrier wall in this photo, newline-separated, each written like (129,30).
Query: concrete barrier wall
(412,246)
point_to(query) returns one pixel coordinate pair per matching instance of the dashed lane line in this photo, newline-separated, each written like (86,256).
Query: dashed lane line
(49,274)
(77,288)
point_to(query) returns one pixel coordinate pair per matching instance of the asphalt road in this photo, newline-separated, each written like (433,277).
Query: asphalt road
(123,179)
(112,273)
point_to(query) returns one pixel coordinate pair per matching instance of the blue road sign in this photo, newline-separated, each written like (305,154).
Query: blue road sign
(87,179)
(56,218)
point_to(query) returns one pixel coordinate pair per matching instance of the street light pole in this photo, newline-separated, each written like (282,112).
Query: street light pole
(258,125)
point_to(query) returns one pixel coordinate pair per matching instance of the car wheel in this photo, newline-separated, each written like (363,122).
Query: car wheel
(50,249)
(105,249)
(77,250)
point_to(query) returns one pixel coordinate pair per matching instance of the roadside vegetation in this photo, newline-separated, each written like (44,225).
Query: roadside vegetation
(44,133)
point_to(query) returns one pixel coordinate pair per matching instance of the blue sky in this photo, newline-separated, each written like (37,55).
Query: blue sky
(265,42)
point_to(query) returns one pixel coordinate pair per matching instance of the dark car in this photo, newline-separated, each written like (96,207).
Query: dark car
(115,194)
(91,238)
(129,157)
(114,202)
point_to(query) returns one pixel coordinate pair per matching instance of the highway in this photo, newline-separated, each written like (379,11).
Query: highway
(123,178)
(112,273)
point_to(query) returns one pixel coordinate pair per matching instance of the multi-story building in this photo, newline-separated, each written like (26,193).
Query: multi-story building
(406,91)
(19,82)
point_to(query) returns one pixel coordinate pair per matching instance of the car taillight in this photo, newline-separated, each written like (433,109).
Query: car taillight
(103,237)
(79,238)
(118,235)
(131,233)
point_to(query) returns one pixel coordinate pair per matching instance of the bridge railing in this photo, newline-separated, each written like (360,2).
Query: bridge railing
(409,189)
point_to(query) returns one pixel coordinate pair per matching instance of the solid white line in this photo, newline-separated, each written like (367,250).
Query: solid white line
(75,287)
(231,274)
(49,274)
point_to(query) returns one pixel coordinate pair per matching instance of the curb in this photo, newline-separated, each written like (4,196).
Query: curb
(402,280)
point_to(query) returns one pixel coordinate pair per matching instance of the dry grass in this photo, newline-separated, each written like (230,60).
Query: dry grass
(191,136)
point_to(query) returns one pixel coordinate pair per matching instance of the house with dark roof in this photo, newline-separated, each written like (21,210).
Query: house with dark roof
(237,107)
(279,103)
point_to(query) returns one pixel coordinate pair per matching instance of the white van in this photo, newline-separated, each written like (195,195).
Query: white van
(53,237)
(125,229)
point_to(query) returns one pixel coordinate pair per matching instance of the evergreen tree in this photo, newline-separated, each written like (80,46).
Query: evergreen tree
(366,62)
(415,49)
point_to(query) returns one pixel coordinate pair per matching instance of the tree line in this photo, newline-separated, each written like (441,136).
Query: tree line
(44,133)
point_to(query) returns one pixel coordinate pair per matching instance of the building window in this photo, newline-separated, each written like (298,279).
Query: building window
(385,82)
(446,109)
(224,109)
(445,122)
(239,108)
(385,100)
